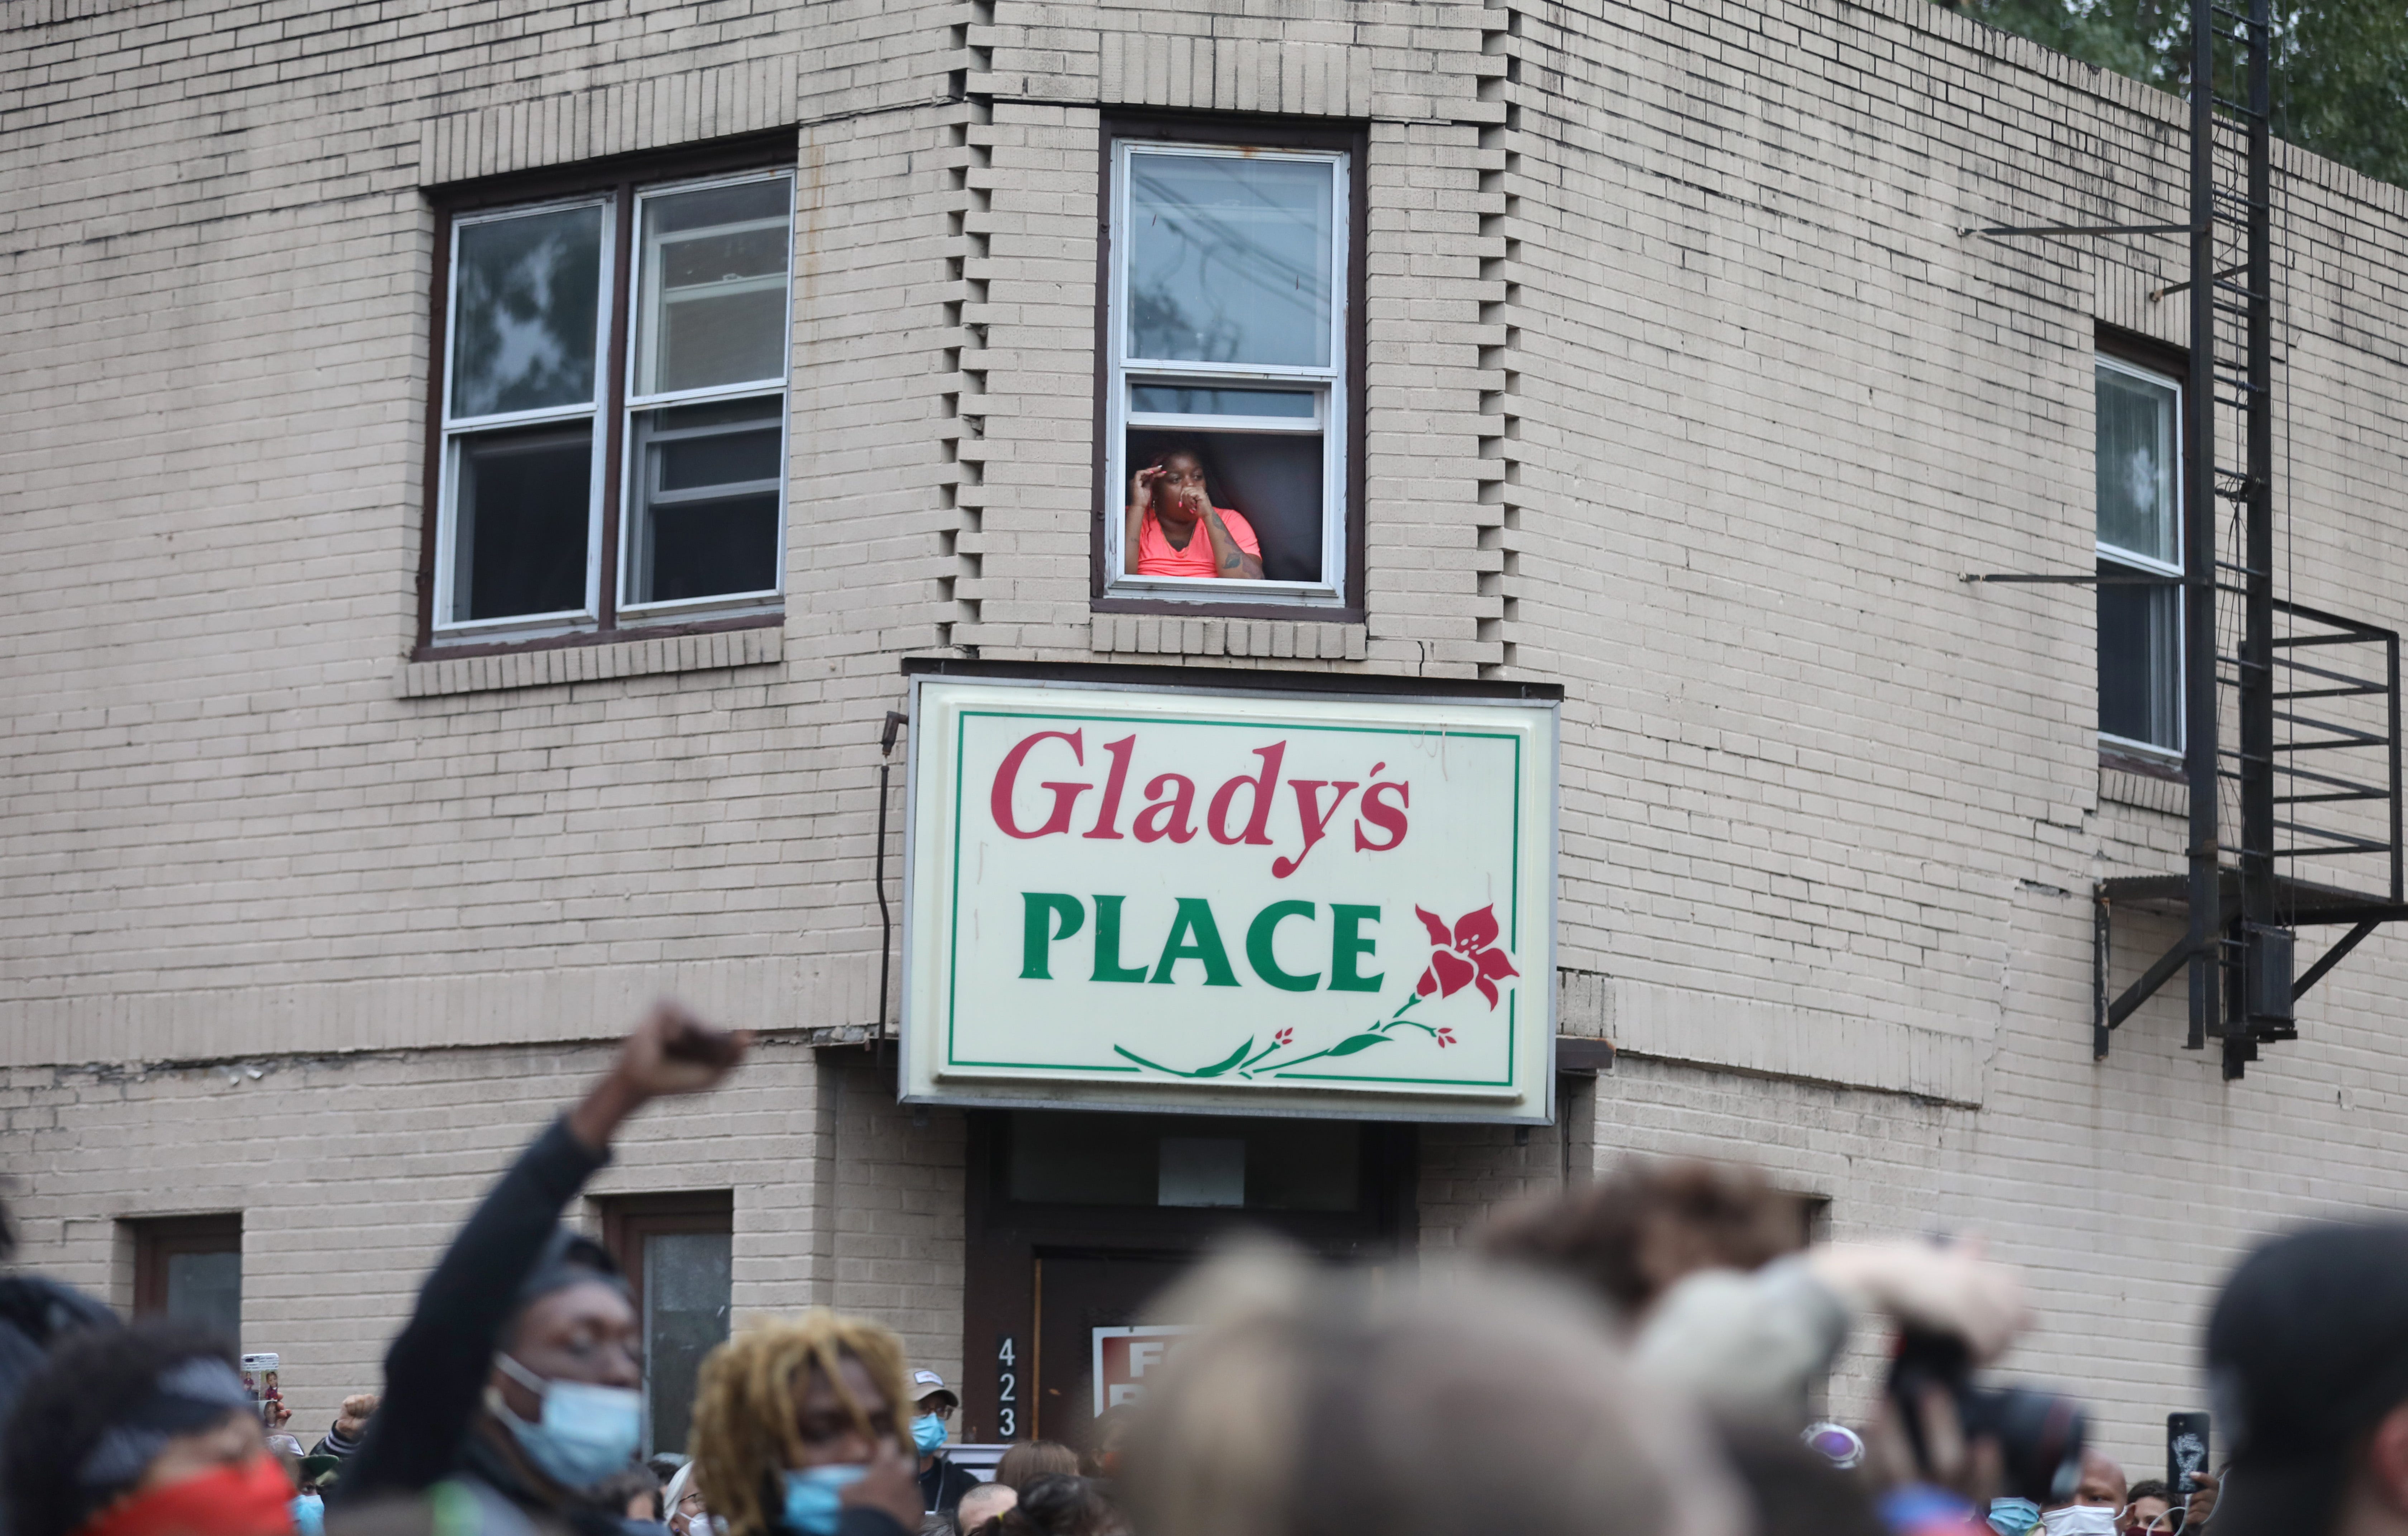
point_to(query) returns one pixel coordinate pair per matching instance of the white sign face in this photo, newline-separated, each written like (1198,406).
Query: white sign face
(1258,903)
(1126,1357)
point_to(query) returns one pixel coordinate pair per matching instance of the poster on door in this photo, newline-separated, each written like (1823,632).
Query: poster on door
(1230,901)
(1126,1357)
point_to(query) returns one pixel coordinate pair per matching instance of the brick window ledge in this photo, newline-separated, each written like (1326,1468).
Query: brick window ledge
(1151,634)
(761,645)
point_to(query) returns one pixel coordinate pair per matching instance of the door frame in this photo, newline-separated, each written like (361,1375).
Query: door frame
(1003,1238)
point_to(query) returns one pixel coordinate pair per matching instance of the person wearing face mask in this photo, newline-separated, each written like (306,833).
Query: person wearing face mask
(682,1505)
(513,1394)
(2097,1500)
(146,1430)
(796,1430)
(941,1483)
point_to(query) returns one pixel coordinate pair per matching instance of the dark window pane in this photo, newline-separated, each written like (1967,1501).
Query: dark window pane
(2140,661)
(526,507)
(714,308)
(1065,1158)
(733,458)
(707,501)
(686,1283)
(524,295)
(206,1288)
(1186,400)
(1273,480)
(1230,259)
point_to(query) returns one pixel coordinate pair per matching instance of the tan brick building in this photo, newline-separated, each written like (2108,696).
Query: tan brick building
(347,823)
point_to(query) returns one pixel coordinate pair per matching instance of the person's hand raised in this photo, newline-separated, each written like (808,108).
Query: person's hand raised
(671,1052)
(892,1484)
(1141,486)
(1952,1289)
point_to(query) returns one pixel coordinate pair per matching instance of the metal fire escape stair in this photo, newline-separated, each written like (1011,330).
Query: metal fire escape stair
(2304,764)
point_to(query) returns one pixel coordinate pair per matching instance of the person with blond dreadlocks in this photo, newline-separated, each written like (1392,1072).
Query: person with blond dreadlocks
(798,1431)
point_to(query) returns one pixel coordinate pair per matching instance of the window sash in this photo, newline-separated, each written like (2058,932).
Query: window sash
(2118,557)
(460,223)
(634,491)
(447,539)
(456,430)
(641,314)
(1127,371)
(2174,475)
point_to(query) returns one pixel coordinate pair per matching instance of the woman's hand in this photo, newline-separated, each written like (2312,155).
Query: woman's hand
(1142,487)
(671,1052)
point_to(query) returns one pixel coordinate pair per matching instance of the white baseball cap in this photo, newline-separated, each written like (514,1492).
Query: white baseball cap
(927,1383)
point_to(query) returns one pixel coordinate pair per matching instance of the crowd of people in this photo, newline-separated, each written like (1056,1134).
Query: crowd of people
(1635,1357)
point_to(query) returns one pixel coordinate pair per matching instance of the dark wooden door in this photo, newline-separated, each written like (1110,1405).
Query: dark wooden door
(1077,1295)
(1075,1221)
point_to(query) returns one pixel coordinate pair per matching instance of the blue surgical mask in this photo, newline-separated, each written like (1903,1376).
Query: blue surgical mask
(927,1432)
(2012,1516)
(308,1515)
(811,1502)
(586,1433)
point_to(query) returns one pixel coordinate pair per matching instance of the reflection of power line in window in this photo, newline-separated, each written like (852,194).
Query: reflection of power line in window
(1153,312)
(1211,247)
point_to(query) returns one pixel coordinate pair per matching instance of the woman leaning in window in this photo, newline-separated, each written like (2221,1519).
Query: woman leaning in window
(1175,530)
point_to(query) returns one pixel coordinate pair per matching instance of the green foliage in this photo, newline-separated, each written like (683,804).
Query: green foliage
(2340,66)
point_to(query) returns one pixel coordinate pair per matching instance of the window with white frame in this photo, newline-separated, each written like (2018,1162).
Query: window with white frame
(2140,535)
(1226,412)
(609,463)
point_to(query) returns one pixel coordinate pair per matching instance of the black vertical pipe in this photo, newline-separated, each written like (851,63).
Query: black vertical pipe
(2259,906)
(2200,738)
(896,720)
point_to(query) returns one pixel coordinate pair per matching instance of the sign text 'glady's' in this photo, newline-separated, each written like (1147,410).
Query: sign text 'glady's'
(1168,813)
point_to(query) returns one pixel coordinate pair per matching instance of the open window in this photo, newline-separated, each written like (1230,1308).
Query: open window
(1231,359)
(2140,561)
(611,418)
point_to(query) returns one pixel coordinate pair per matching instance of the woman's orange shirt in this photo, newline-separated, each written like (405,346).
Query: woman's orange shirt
(1155,557)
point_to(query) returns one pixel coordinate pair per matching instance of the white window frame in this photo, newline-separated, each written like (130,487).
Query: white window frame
(1328,385)
(456,428)
(2132,560)
(596,412)
(634,614)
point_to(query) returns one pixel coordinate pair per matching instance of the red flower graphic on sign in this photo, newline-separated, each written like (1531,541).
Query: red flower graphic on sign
(1463,956)
(1446,1039)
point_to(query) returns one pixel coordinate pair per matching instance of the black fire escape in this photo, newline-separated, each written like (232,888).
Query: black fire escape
(2294,786)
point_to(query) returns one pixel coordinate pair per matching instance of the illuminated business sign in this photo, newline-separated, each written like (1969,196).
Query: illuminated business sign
(1211,899)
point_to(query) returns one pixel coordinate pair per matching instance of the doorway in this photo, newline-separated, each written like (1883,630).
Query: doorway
(1078,1220)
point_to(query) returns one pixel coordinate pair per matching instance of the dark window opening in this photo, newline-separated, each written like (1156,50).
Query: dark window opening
(678,1252)
(190,1268)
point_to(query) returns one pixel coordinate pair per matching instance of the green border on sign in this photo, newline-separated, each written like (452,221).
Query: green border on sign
(954,915)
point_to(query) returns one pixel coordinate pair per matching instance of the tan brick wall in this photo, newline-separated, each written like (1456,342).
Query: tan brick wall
(1686,392)
(351,1174)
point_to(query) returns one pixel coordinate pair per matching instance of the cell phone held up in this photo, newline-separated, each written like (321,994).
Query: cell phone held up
(2040,1434)
(2186,1449)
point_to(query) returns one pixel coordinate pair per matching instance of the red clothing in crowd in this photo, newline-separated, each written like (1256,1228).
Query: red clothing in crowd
(1155,557)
